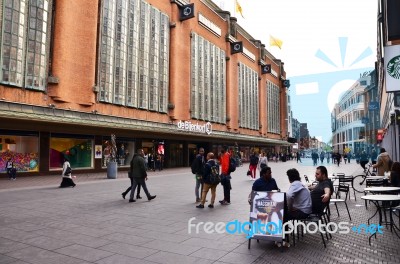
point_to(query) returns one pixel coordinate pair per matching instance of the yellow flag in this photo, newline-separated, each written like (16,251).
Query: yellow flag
(275,42)
(239,8)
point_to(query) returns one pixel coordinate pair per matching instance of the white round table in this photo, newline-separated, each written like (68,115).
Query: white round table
(375,177)
(377,199)
(382,189)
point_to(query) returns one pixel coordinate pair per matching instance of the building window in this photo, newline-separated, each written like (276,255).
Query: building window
(25,43)
(134,55)
(248,97)
(208,81)
(274,113)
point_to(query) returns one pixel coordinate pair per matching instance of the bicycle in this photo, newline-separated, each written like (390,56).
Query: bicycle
(359,180)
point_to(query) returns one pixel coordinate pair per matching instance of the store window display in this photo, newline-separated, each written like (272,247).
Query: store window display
(22,149)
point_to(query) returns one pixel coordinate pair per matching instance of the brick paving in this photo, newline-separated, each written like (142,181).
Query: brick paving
(91,223)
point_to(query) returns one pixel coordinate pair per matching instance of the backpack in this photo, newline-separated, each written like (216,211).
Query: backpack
(215,178)
(232,164)
(194,166)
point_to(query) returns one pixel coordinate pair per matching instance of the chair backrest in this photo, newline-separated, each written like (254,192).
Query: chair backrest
(345,179)
(339,174)
(370,182)
(343,188)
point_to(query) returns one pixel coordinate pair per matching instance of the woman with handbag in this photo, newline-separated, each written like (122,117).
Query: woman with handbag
(67,175)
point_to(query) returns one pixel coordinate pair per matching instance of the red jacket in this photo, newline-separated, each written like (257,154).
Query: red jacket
(224,162)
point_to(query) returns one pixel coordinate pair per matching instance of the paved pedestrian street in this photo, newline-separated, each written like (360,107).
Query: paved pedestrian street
(91,223)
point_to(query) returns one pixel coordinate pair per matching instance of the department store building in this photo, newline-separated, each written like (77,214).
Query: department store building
(161,75)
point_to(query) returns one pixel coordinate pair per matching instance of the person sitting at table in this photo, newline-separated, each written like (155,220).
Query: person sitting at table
(298,197)
(265,183)
(395,174)
(321,193)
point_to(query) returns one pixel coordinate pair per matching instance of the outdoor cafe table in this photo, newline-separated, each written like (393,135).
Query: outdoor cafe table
(377,200)
(375,177)
(382,189)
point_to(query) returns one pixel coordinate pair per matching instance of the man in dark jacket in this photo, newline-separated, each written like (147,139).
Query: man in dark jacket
(199,169)
(265,183)
(139,175)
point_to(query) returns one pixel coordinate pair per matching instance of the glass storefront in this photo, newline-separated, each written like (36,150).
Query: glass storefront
(78,150)
(125,151)
(22,148)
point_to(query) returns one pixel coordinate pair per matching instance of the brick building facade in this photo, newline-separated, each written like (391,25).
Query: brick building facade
(75,72)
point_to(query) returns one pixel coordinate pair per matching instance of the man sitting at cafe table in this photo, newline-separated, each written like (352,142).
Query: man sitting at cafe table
(265,183)
(298,197)
(321,193)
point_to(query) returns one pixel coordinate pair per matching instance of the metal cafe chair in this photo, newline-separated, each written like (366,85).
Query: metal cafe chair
(346,180)
(342,188)
(315,218)
(372,183)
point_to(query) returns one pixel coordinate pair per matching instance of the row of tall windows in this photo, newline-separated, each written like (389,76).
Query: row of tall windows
(248,97)
(273,103)
(208,81)
(134,55)
(25,43)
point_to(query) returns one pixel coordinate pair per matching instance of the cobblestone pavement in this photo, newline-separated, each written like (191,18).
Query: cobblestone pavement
(91,223)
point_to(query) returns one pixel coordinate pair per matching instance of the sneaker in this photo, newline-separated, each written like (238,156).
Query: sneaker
(222,201)
(200,206)
(132,201)
(225,203)
(210,206)
(152,197)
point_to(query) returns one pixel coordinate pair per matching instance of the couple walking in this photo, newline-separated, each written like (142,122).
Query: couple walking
(138,175)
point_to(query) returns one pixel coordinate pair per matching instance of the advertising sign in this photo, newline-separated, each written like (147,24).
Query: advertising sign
(392,68)
(266,215)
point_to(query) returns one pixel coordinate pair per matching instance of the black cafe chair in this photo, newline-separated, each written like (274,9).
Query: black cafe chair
(342,188)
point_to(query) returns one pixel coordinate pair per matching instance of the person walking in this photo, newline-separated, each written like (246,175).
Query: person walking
(253,165)
(364,160)
(225,176)
(298,157)
(383,163)
(67,175)
(198,170)
(211,169)
(262,161)
(374,156)
(139,175)
(130,187)
(338,157)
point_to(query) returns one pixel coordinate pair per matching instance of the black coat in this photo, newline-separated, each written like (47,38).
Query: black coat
(138,168)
